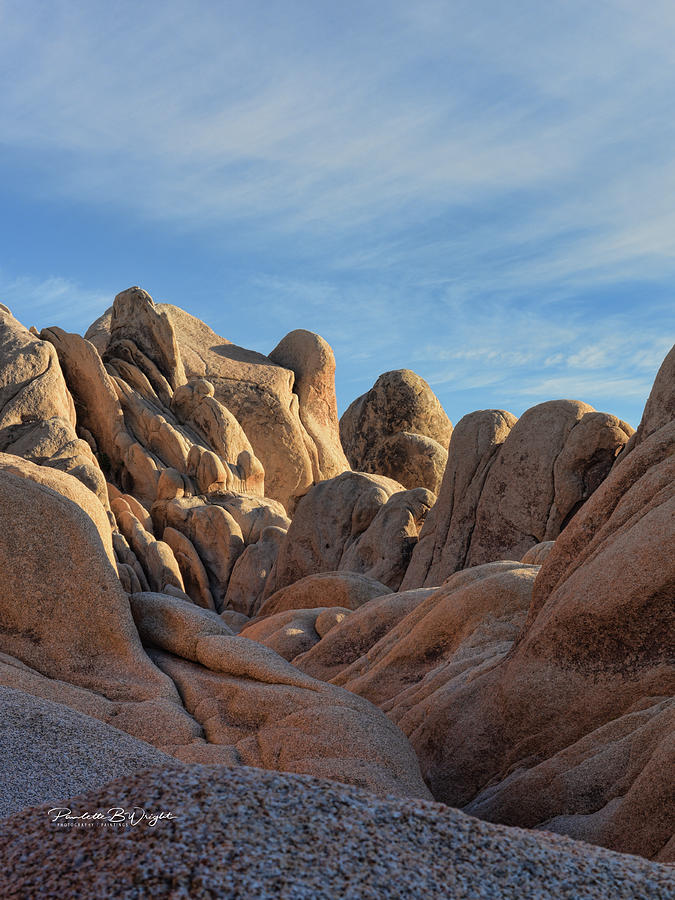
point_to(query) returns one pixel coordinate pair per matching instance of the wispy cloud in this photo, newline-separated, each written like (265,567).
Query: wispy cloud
(453,186)
(44,302)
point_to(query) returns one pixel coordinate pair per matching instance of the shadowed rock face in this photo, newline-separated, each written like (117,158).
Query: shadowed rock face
(553,712)
(354,523)
(320,839)
(511,484)
(398,429)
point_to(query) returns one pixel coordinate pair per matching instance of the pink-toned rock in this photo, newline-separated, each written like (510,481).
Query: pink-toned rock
(247,583)
(510,485)
(384,550)
(536,555)
(353,637)
(343,589)
(329,518)
(294,631)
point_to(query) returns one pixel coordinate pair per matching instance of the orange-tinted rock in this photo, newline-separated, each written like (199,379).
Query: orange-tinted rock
(344,589)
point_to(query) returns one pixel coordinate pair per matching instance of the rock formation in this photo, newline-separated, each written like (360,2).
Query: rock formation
(511,484)
(261,395)
(398,429)
(192,574)
(261,834)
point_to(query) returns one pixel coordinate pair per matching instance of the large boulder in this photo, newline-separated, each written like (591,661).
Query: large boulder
(312,361)
(572,729)
(345,589)
(331,530)
(294,631)
(37,413)
(469,623)
(245,833)
(173,673)
(353,637)
(510,485)
(49,751)
(398,429)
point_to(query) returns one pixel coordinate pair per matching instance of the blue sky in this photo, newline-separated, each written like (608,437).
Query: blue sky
(479,191)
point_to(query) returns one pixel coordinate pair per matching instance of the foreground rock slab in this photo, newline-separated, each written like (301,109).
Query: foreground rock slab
(246,833)
(49,752)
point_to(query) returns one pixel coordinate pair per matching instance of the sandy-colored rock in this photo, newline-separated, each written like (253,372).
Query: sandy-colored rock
(580,692)
(398,429)
(257,392)
(293,631)
(248,697)
(512,484)
(302,837)
(135,318)
(660,407)
(352,638)
(344,589)
(469,622)
(329,518)
(384,550)
(68,486)
(65,613)
(248,580)
(445,537)
(554,457)
(37,413)
(211,530)
(156,557)
(415,460)
(97,406)
(312,361)
(195,578)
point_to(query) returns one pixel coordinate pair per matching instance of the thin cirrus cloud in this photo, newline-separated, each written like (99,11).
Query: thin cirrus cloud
(377,172)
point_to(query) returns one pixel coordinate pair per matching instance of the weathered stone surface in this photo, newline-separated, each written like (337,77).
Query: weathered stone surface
(65,613)
(512,484)
(660,407)
(211,530)
(311,360)
(384,431)
(293,631)
(68,486)
(554,457)
(581,691)
(195,578)
(49,751)
(468,623)
(246,586)
(384,550)
(195,404)
(384,847)
(135,318)
(537,554)
(352,638)
(329,518)
(344,589)
(445,537)
(156,557)
(37,413)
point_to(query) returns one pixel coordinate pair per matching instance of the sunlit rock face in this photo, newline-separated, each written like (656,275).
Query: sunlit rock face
(195,554)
